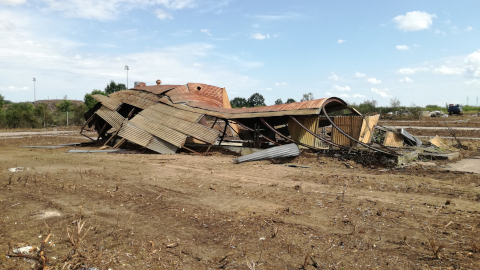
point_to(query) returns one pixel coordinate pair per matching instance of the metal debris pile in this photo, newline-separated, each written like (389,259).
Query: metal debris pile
(166,118)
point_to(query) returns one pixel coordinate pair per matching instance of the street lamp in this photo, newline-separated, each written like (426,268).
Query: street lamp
(126,68)
(34,80)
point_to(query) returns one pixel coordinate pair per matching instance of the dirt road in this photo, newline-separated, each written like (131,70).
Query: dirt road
(192,212)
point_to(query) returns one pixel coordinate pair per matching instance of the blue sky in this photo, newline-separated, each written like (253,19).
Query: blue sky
(421,52)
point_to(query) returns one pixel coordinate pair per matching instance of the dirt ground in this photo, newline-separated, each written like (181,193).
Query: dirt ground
(149,211)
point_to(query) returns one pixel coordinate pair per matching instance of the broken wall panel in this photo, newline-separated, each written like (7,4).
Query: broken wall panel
(135,98)
(299,134)
(167,134)
(111,117)
(139,136)
(108,102)
(182,114)
(351,125)
(368,126)
(393,139)
(195,130)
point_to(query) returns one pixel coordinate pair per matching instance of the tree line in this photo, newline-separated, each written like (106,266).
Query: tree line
(257,100)
(50,113)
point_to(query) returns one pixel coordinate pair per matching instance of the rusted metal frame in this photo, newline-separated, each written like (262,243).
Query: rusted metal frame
(355,140)
(321,138)
(119,143)
(131,112)
(247,128)
(195,152)
(86,122)
(286,138)
(102,130)
(216,119)
(233,129)
(116,132)
(87,136)
(224,132)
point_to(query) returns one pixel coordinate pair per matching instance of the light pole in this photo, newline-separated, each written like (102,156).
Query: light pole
(34,80)
(126,68)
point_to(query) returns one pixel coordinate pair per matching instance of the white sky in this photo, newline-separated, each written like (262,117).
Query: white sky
(422,52)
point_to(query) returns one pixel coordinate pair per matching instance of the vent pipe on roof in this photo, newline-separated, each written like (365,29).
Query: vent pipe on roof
(159,82)
(135,84)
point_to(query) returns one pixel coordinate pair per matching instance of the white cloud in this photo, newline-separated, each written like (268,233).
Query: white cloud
(344,95)
(374,81)
(469,28)
(13,88)
(473,82)
(260,36)
(111,9)
(340,41)
(339,88)
(206,31)
(408,71)
(444,70)
(162,15)
(334,77)
(358,96)
(282,84)
(359,75)
(197,65)
(414,21)
(13,2)
(407,80)
(285,16)
(381,93)
(472,62)
(402,47)
(440,32)
(269,89)
(7,25)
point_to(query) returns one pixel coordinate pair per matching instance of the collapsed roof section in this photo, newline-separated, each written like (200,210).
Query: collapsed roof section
(162,117)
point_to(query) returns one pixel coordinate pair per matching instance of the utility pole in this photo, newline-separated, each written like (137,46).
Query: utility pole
(34,96)
(127,69)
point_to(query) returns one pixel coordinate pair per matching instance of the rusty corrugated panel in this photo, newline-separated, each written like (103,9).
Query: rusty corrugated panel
(368,127)
(135,98)
(182,114)
(110,103)
(288,150)
(139,136)
(393,139)
(165,133)
(301,135)
(348,124)
(156,89)
(195,130)
(112,117)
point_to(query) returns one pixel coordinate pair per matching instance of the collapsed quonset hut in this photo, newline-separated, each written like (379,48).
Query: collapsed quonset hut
(164,118)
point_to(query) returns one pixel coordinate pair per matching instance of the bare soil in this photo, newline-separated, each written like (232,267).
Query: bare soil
(149,211)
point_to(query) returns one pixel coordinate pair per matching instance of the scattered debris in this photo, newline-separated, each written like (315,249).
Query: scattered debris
(17,169)
(97,151)
(288,150)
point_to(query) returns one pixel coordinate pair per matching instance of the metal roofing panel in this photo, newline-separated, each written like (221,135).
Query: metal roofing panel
(161,146)
(288,150)
(156,89)
(139,136)
(110,103)
(348,124)
(135,98)
(112,117)
(195,130)
(301,135)
(170,135)
(178,113)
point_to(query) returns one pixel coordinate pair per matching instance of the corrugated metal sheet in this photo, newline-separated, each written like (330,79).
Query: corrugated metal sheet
(348,124)
(112,117)
(110,103)
(368,127)
(195,130)
(182,114)
(301,135)
(156,89)
(288,150)
(393,139)
(410,139)
(141,137)
(165,133)
(135,98)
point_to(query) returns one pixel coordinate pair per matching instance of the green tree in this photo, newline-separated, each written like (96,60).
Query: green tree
(239,102)
(2,102)
(43,113)
(112,87)
(256,100)
(90,102)
(278,102)
(65,106)
(307,97)
(290,100)
(21,115)
(78,111)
